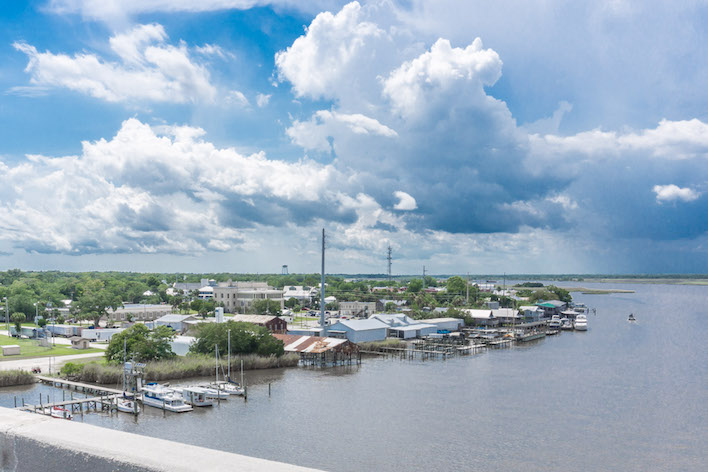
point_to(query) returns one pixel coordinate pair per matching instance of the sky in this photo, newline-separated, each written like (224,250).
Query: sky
(481,136)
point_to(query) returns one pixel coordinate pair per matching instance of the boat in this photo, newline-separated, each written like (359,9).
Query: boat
(59,412)
(530,336)
(127,405)
(631,317)
(552,332)
(555,322)
(566,324)
(195,396)
(581,323)
(165,398)
(214,392)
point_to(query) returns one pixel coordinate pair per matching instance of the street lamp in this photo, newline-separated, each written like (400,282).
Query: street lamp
(7,315)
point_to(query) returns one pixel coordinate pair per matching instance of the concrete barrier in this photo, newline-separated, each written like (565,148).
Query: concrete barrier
(31,442)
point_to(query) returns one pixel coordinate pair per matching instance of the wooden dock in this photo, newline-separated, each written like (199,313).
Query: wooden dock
(78,386)
(102,403)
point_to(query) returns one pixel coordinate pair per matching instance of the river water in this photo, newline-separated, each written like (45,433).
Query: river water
(621,396)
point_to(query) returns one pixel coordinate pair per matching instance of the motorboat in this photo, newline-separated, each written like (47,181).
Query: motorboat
(566,324)
(631,317)
(555,322)
(128,405)
(59,412)
(165,398)
(195,396)
(581,323)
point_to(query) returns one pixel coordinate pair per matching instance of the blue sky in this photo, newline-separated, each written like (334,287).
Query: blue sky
(221,135)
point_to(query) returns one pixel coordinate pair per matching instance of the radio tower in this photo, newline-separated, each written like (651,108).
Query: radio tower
(390,259)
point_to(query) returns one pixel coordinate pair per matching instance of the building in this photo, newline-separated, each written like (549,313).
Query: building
(447,324)
(206,292)
(358,309)
(302,294)
(238,297)
(100,334)
(358,331)
(78,342)
(139,312)
(552,307)
(180,344)
(381,304)
(176,322)
(482,317)
(507,315)
(404,327)
(320,350)
(273,323)
(531,312)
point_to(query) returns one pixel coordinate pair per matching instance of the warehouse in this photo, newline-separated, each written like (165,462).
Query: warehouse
(359,331)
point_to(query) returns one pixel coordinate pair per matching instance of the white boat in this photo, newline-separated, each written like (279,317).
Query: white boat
(566,323)
(229,387)
(165,398)
(631,317)
(214,393)
(555,322)
(195,396)
(127,405)
(59,412)
(581,323)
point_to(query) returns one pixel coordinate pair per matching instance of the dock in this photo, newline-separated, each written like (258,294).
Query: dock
(78,386)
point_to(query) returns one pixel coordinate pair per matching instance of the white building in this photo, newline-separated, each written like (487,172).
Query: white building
(238,297)
(206,292)
(449,324)
(139,312)
(405,327)
(176,322)
(302,294)
(363,309)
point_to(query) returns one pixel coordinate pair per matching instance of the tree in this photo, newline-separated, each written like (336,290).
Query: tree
(456,285)
(18,318)
(246,338)
(291,302)
(95,301)
(562,294)
(42,322)
(141,344)
(415,286)
(267,307)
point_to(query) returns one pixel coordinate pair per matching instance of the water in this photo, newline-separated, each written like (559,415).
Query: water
(621,396)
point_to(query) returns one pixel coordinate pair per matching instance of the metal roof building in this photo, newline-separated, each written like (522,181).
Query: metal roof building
(358,331)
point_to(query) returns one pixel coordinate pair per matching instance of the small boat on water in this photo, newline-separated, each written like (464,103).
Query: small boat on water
(59,412)
(232,388)
(555,322)
(566,324)
(631,317)
(128,405)
(214,392)
(581,323)
(165,398)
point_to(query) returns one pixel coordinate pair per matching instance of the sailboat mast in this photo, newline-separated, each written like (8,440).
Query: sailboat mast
(229,358)
(216,361)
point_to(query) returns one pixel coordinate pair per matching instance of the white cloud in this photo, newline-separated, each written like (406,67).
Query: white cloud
(405,201)
(262,100)
(673,193)
(443,72)
(214,50)
(149,69)
(237,98)
(334,49)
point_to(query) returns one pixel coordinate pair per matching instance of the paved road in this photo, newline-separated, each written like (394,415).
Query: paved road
(46,362)
(66,341)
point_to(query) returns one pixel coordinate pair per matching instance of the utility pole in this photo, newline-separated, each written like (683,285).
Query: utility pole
(390,259)
(424,278)
(322,290)
(467,299)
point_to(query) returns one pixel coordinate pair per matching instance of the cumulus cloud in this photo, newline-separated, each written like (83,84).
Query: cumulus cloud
(148,69)
(673,193)
(262,100)
(405,201)
(145,192)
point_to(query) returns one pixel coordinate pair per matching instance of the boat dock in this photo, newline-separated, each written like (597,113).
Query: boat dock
(78,386)
(101,399)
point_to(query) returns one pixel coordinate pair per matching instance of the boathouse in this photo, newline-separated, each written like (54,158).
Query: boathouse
(447,324)
(405,327)
(482,317)
(552,307)
(318,350)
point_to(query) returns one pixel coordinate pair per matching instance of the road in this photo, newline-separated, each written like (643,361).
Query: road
(45,363)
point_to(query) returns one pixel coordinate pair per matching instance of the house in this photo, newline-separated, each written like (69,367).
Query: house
(273,323)
(77,342)
(447,324)
(531,312)
(507,315)
(552,307)
(176,322)
(404,327)
(360,309)
(358,331)
(482,317)
(492,305)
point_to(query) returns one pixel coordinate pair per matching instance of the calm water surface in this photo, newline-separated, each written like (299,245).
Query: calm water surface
(620,396)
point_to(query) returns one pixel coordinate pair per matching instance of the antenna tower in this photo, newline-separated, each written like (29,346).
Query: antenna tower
(390,259)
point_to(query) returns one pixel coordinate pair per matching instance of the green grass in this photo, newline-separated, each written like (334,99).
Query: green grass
(31,348)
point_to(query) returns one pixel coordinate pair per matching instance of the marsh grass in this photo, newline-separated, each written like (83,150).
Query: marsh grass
(377,345)
(181,368)
(9,378)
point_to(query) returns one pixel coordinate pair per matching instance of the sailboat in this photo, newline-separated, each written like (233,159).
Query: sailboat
(229,386)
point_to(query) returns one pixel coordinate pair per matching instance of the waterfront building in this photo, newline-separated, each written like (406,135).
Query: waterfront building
(552,307)
(482,317)
(358,331)
(531,312)
(448,324)
(274,324)
(404,327)
(238,297)
(507,315)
